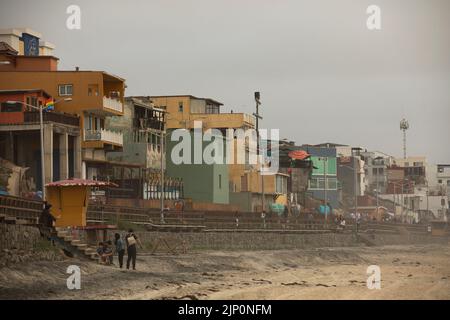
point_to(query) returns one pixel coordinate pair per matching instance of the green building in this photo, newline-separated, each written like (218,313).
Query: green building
(201,182)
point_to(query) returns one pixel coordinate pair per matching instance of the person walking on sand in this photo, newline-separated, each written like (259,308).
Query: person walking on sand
(120,248)
(132,240)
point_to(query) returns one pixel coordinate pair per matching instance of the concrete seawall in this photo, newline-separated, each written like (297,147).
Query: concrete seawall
(273,240)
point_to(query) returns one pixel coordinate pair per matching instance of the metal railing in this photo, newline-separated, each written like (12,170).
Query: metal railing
(103,135)
(58,117)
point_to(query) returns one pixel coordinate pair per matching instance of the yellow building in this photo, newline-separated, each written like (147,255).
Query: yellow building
(183,110)
(245,183)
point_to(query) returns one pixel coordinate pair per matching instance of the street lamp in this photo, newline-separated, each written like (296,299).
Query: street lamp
(355,174)
(257,116)
(41,124)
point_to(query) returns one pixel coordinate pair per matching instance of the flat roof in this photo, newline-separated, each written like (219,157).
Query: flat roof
(188,95)
(108,75)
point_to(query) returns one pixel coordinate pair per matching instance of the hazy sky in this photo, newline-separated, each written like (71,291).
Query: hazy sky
(322,74)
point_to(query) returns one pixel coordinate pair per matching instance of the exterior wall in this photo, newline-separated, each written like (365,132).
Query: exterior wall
(14,236)
(143,154)
(191,108)
(331,174)
(409,161)
(80,80)
(29,63)
(18,117)
(200,181)
(377,179)
(277,241)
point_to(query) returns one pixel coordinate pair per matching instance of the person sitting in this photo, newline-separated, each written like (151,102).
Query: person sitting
(104,253)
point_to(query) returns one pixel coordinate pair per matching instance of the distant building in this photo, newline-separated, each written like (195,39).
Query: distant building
(415,168)
(325,168)
(26,42)
(137,168)
(375,170)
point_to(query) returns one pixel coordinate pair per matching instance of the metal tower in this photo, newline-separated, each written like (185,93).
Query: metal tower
(404,125)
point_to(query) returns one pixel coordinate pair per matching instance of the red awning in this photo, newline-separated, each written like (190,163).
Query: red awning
(81,182)
(298,155)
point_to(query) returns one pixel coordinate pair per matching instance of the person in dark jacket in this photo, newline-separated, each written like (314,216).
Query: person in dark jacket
(120,248)
(132,240)
(46,221)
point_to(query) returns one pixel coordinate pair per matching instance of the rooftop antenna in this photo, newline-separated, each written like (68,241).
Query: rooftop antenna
(404,125)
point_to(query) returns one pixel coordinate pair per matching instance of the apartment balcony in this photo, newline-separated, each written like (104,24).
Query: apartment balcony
(112,104)
(32,117)
(57,117)
(98,138)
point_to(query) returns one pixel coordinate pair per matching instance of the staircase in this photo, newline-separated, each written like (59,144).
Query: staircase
(76,247)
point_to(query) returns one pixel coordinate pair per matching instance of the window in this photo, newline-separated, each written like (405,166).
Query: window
(280,186)
(180,106)
(65,89)
(93,90)
(11,107)
(220,181)
(448,183)
(439,181)
(212,109)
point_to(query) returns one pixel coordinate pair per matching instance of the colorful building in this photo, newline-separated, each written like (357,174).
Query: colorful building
(92,95)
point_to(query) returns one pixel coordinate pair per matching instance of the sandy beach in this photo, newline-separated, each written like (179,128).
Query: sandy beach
(407,272)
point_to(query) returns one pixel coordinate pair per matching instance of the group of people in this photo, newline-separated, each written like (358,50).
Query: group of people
(106,251)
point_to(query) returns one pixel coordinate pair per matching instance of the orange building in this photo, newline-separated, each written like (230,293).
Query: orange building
(92,95)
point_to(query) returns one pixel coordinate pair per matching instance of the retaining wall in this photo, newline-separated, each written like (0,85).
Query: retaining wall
(273,240)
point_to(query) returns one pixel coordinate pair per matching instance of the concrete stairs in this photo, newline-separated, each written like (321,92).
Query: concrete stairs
(74,246)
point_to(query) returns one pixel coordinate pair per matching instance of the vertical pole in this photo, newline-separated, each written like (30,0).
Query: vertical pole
(356,183)
(263,202)
(41,122)
(325,165)
(404,144)
(428,188)
(162,175)
(403,203)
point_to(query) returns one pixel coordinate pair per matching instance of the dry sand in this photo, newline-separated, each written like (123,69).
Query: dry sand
(407,272)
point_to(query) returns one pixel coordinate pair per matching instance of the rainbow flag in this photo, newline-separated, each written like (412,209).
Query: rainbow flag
(49,105)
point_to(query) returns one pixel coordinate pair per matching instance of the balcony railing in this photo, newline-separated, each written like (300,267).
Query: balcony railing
(104,135)
(63,118)
(225,120)
(113,104)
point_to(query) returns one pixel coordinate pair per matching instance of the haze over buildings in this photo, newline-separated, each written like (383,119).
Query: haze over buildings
(310,60)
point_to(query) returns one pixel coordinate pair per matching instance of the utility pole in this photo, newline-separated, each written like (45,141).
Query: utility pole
(257,116)
(162,137)
(356,184)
